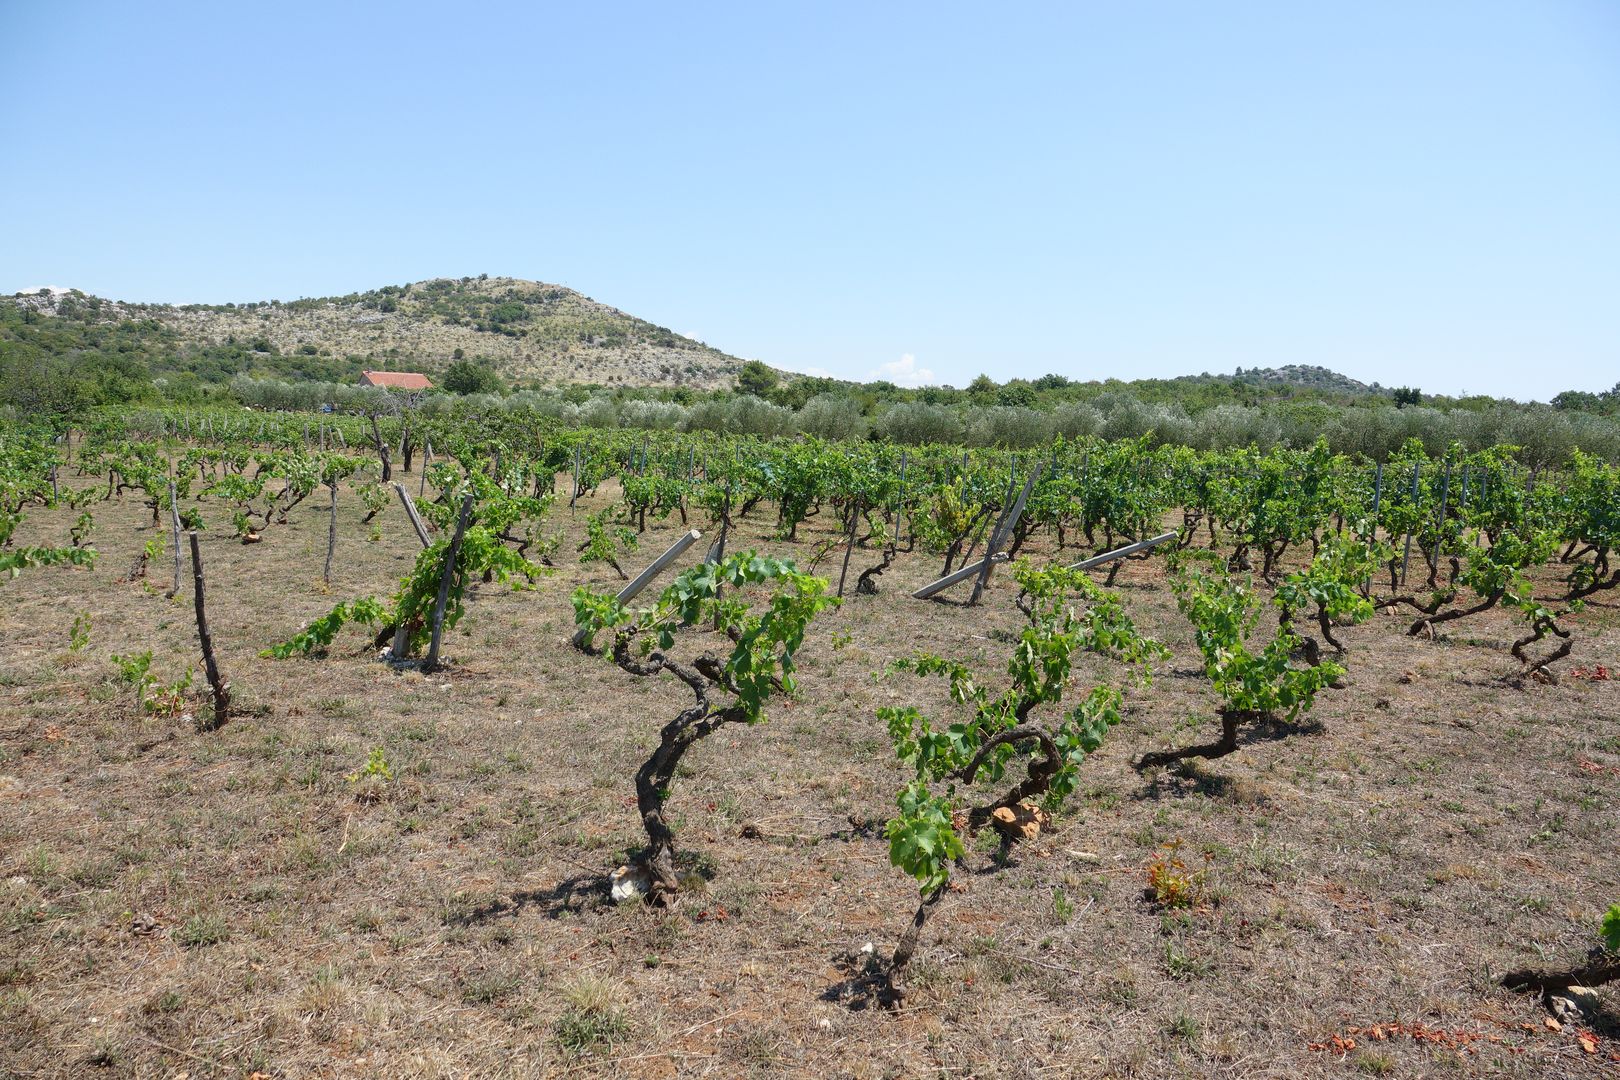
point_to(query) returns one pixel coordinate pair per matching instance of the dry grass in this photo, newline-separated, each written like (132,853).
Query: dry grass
(228,903)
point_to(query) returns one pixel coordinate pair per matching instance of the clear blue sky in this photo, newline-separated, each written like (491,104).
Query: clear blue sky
(1414,193)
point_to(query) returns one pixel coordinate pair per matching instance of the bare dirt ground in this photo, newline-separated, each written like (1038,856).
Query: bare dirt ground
(225,904)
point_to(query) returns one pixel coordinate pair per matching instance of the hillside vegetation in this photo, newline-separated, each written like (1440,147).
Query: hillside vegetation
(528,330)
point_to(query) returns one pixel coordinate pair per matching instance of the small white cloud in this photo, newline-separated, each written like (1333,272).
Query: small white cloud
(903,372)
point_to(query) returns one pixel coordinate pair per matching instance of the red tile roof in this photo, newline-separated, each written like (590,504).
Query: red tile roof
(400,380)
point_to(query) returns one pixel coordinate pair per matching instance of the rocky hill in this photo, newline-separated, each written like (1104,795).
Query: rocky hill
(1313,377)
(528,330)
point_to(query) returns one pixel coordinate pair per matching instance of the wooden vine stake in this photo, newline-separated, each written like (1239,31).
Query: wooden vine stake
(402,637)
(1120,553)
(174,522)
(849,547)
(216,682)
(998,536)
(331,537)
(451,554)
(900,503)
(645,578)
(410,511)
(960,574)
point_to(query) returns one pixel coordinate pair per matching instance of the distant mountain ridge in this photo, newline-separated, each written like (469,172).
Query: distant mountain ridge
(528,330)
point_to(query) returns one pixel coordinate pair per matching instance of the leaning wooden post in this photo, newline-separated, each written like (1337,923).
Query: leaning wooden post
(849,548)
(1000,534)
(454,550)
(331,535)
(174,521)
(410,509)
(643,579)
(960,574)
(1120,553)
(221,688)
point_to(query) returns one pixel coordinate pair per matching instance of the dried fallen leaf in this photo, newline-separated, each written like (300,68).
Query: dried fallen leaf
(1588,1042)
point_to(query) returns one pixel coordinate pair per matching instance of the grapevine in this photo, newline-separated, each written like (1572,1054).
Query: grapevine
(734,690)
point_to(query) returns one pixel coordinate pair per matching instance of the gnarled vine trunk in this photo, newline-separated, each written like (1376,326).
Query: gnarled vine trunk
(655,775)
(1539,630)
(894,990)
